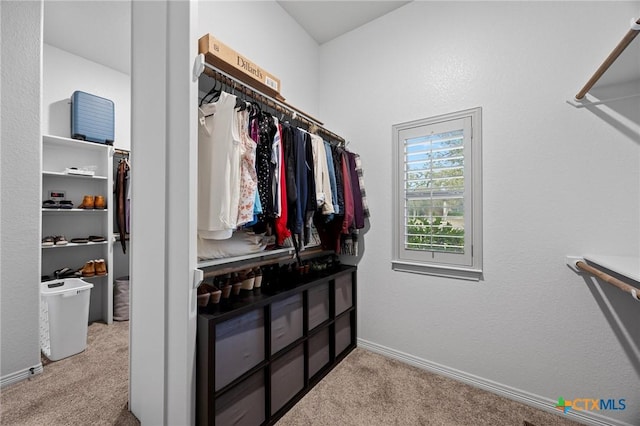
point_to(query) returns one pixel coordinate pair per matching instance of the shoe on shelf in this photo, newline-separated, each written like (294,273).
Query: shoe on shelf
(66,204)
(89,269)
(100,266)
(59,240)
(80,240)
(99,202)
(96,238)
(87,202)
(47,241)
(63,273)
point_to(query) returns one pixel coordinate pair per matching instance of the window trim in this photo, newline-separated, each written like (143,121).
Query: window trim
(472,271)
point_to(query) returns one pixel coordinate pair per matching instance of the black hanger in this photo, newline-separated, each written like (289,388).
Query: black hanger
(214,93)
(241,104)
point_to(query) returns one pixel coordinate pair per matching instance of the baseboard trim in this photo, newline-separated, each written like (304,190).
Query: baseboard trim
(18,376)
(518,395)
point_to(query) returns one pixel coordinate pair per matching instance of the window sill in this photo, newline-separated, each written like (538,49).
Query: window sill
(469,274)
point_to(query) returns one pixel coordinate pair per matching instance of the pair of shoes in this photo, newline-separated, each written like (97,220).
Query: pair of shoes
(207,294)
(94,268)
(93,202)
(58,240)
(64,273)
(91,238)
(63,204)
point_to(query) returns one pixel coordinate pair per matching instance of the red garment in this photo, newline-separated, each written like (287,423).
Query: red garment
(348,195)
(282,231)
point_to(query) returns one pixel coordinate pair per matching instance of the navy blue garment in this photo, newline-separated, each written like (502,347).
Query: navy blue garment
(301,179)
(337,162)
(312,204)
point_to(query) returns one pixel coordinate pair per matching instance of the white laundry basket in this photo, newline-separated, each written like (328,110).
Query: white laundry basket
(64,317)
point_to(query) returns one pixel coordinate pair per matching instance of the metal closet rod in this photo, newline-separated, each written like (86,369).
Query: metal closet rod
(609,279)
(295,114)
(626,40)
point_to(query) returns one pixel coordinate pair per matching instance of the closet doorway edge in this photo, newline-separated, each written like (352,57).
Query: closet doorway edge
(163,260)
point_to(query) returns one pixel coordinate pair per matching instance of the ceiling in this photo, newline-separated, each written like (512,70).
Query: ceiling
(326,20)
(90,29)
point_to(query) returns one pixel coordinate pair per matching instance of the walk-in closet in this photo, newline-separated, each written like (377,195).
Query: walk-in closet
(428,215)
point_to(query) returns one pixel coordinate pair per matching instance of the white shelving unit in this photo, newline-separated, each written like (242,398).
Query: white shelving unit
(60,153)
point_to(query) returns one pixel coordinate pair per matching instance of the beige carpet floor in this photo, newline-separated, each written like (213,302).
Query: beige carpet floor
(90,388)
(365,389)
(368,389)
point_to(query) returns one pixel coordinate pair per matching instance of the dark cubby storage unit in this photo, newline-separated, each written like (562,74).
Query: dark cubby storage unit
(257,358)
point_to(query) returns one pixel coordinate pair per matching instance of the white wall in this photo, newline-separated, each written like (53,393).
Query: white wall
(264,33)
(65,73)
(20,151)
(557,181)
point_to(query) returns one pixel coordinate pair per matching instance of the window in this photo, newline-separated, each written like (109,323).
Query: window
(438,195)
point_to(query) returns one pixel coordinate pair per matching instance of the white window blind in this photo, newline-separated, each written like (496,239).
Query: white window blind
(437,194)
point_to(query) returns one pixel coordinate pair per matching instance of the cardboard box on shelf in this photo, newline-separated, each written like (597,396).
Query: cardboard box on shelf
(231,62)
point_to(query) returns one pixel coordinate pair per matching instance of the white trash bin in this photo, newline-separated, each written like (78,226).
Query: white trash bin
(64,317)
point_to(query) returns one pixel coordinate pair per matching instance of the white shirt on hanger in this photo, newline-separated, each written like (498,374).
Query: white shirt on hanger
(218,168)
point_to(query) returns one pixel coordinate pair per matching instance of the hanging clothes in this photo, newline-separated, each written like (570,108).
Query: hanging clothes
(288,144)
(121,191)
(248,176)
(275,168)
(336,152)
(358,209)
(282,232)
(321,176)
(218,168)
(264,167)
(363,193)
(348,193)
(332,179)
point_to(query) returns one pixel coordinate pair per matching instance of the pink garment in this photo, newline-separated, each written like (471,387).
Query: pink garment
(248,176)
(348,195)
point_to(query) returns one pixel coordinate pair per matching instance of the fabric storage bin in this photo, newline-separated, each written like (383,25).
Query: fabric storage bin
(242,405)
(239,346)
(318,351)
(318,312)
(344,296)
(121,299)
(287,377)
(286,322)
(343,333)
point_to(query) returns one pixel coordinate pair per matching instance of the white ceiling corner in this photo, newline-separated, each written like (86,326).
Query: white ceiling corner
(326,20)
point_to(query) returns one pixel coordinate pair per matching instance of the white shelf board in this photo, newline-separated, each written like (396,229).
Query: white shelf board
(75,245)
(257,255)
(73,210)
(627,266)
(74,143)
(69,175)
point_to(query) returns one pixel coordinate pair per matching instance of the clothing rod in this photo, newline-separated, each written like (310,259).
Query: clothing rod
(609,279)
(271,102)
(626,40)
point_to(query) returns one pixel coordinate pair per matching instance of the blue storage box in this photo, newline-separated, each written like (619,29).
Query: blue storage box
(92,118)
